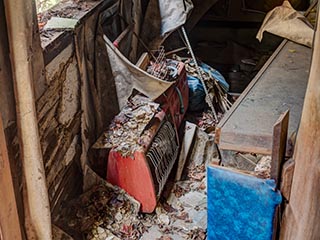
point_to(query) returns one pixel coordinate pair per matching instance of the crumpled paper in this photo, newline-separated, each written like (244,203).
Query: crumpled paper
(286,22)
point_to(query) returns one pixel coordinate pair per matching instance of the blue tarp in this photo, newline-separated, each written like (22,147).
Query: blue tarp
(240,207)
(196,91)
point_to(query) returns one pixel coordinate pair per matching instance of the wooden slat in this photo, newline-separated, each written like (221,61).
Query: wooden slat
(280,132)
(190,130)
(9,221)
(143,61)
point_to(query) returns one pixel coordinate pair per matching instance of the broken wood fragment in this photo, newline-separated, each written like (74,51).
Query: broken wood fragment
(185,148)
(286,178)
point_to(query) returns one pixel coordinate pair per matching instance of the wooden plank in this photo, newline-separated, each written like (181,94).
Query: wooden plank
(302,215)
(286,178)
(190,130)
(143,61)
(248,143)
(280,132)
(9,220)
(247,90)
(279,87)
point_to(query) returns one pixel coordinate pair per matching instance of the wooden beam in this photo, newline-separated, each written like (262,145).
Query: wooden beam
(302,215)
(21,21)
(9,220)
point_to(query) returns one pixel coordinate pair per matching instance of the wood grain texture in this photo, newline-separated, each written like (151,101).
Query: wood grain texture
(286,178)
(302,215)
(9,220)
(27,68)
(280,132)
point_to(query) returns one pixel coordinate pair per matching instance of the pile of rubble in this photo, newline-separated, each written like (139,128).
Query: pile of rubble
(183,214)
(104,212)
(107,212)
(127,132)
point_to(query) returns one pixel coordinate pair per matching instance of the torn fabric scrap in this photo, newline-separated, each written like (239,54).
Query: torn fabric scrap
(286,22)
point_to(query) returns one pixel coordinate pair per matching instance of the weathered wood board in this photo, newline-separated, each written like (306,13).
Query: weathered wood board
(280,85)
(9,220)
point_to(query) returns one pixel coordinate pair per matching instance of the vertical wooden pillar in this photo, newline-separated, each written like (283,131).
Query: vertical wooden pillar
(8,117)
(302,215)
(21,20)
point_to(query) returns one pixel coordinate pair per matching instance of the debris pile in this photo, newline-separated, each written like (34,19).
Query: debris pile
(183,214)
(263,167)
(215,84)
(126,133)
(161,67)
(216,89)
(68,9)
(107,212)
(104,212)
(255,164)
(207,122)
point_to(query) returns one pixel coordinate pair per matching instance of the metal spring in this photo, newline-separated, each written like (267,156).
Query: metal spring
(162,154)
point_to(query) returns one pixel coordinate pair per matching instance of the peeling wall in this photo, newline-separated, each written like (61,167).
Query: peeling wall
(59,116)
(78,102)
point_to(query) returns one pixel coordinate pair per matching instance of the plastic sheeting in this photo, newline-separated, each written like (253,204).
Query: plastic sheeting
(286,22)
(240,206)
(128,77)
(196,91)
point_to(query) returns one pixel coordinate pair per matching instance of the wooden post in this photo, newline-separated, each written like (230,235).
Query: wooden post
(21,20)
(302,215)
